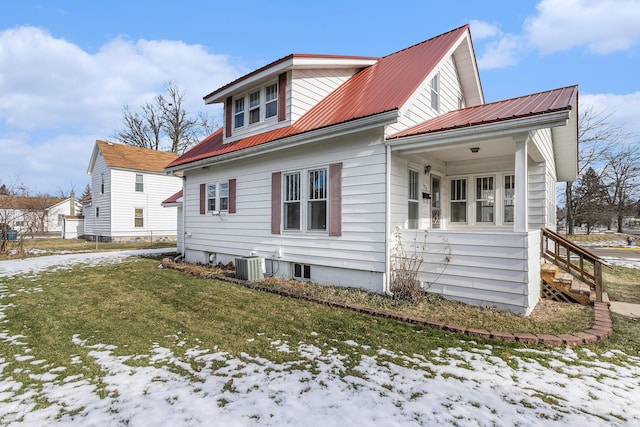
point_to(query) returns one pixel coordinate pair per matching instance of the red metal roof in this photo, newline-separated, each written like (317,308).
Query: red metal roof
(382,87)
(174,198)
(514,108)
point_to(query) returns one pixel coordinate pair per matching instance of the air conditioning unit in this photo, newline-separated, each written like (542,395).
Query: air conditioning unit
(249,268)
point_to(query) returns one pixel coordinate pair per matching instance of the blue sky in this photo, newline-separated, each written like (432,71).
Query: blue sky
(68,67)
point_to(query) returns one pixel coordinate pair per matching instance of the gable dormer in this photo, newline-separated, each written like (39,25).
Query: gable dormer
(278,94)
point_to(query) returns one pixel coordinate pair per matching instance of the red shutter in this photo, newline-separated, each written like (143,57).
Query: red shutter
(232,196)
(228,116)
(203,204)
(282,97)
(276,197)
(335,199)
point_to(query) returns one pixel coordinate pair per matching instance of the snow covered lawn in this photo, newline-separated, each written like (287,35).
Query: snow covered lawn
(186,384)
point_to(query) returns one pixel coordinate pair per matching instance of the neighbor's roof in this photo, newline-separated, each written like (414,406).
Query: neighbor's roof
(28,202)
(176,198)
(136,158)
(382,87)
(514,108)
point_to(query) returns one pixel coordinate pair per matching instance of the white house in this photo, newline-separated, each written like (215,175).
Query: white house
(127,188)
(175,200)
(37,214)
(321,158)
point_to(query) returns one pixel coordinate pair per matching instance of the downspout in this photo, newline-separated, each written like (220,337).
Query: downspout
(184,216)
(386,287)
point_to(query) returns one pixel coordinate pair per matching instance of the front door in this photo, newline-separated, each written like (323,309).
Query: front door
(436,201)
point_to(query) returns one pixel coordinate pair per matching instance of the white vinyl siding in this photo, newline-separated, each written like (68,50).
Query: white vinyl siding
(361,245)
(418,108)
(308,87)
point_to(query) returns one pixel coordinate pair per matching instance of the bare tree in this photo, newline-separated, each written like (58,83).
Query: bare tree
(622,180)
(164,119)
(596,138)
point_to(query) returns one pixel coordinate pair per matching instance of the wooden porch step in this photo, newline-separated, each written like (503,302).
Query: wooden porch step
(579,287)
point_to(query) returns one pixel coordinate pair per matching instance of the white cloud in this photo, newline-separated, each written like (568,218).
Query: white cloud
(482,30)
(58,99)
(621,109)
(500,53)
(48,82)
(605,26)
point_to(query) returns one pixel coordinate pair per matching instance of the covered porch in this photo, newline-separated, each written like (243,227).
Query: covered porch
(482,182)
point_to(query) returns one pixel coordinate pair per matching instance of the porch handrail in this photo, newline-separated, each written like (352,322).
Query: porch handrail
(559,250)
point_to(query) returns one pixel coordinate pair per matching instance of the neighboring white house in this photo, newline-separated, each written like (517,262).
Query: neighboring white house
(128,186)
(176,201)
(37,214)
(321,158)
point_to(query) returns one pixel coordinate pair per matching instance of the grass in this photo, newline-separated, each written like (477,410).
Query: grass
(622,284)
(48,246)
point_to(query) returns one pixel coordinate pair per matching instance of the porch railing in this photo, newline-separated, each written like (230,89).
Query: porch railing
(577,261)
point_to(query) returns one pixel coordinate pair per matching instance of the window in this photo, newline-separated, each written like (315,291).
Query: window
(138,217)
(413,199)
(19,223)
(97,212)
(435,93)
(254,107)
(316,200)
(509,197)
(218,197)
(101,183)
(484,199)
(459,200)
(271,99)
(139,182)
(317,204)
(239,113)
(291,201)
(60,219)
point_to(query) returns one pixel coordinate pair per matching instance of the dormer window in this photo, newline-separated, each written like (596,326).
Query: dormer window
(271,98)
(254,107)
(262,105)
(239,113)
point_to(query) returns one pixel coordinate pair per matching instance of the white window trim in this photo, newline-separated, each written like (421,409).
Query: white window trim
(262,106)
(136,217)
(435,93)
(218,197)
(494,181)
(499,198)
(415,200)
(141,183)
(305,199)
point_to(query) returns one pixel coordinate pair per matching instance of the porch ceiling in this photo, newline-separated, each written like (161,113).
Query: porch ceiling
(487,148)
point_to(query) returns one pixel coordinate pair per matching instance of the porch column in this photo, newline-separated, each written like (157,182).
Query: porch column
(521,216)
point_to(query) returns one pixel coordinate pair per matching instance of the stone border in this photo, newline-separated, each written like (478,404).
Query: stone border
(601,330)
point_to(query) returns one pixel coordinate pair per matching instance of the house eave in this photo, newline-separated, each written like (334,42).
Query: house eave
(365,123)
(285,64)
(483,131)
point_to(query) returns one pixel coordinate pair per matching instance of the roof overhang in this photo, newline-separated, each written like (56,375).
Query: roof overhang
(341,129)
(468,134)
(291,62)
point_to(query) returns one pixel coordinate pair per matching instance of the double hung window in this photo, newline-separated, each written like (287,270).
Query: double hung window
(218,197)
(271,99)
(413,199)
(138,217)
(313,200)
(509,197)
(254,107)
(485,197)
(239,113)
(435,92)
(459,200)
(139,182)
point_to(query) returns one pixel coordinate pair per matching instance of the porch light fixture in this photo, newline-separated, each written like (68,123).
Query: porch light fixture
(474,149)
(427,169)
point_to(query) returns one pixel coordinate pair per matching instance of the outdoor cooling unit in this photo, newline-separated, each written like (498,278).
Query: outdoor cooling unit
(249,268)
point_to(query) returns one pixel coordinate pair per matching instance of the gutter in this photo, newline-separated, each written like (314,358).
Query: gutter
(340,129)
(470,133)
